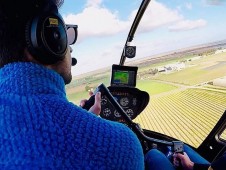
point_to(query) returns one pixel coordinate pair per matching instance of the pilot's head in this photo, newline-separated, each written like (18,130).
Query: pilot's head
(34,31)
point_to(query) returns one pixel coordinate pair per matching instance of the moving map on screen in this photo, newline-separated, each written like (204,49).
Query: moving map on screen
(121,77)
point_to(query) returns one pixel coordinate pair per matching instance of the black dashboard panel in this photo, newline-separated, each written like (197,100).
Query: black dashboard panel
(131,99)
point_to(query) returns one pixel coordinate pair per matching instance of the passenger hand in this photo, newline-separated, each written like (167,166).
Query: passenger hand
(184,160)
(96,108)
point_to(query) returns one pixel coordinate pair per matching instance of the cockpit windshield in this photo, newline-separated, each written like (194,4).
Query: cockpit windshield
(180,55)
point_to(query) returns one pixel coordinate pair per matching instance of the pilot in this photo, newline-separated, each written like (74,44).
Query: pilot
(189,160)
(39,127)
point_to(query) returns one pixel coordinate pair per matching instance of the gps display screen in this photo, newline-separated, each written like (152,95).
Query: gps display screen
(123,76)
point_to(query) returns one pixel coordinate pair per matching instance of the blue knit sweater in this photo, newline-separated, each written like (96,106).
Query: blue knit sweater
(40,129)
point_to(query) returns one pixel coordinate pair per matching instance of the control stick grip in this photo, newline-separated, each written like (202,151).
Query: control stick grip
(89,103)
(178,147)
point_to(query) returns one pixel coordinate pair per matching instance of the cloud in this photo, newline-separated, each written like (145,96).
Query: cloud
(157,15)
(96,20)
(185,25)
(103,58)
(215,2)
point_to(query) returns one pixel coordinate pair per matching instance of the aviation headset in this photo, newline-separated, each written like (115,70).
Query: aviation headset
(46,36)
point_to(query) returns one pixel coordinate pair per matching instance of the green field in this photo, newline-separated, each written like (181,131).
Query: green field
(183,104)
(205,69)
(154,87)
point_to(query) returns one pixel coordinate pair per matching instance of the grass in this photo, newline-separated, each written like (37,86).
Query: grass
(154,87)
(223,136)
(196,71)
(189,76)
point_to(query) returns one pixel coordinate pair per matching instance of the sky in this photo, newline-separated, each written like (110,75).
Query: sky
(167,25)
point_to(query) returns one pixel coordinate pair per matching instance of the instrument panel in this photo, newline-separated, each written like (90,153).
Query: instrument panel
(132,100)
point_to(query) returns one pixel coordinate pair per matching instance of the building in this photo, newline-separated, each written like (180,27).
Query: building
(220,82)
(220,51)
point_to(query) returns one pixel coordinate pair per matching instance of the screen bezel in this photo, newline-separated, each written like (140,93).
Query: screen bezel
(129,69)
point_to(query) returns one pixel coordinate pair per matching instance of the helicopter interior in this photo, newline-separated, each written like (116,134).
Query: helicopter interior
(122,101)
(173,94)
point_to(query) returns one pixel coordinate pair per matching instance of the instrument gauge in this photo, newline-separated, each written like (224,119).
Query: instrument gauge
(124,101)
(117,114)
(129,112)
(104,100)
(107,112)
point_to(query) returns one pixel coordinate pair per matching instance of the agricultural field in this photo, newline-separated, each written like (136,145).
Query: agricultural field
(205,69)
(154,87)
(190,109)
(188,115)
(184,103)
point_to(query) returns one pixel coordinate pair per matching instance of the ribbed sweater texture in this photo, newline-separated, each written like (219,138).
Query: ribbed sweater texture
(41,129)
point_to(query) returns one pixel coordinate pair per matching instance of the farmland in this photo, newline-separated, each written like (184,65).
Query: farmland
(184,103)
(188,115)
(190,109)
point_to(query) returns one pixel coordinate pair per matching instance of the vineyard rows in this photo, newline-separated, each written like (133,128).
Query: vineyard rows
(187,115)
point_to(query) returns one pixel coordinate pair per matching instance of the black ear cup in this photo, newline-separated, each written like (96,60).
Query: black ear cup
(46,37)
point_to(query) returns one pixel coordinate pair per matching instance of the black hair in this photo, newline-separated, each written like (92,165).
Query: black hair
(14,16)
